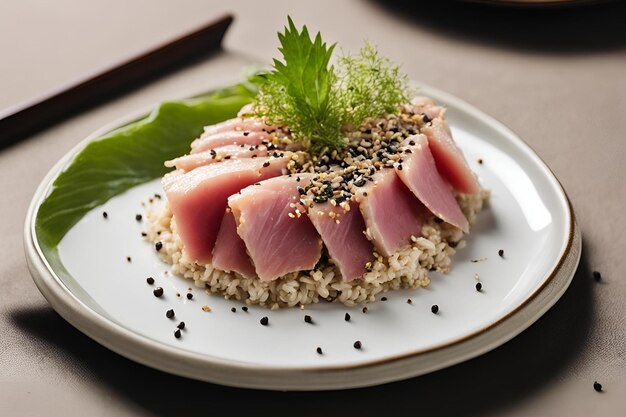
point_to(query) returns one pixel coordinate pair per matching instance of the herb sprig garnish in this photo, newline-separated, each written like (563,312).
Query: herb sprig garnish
(319,103)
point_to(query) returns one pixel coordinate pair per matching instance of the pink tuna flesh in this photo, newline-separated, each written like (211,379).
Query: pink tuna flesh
(343,234)
(195,160)
(392,213)
(420,175)
(249,124)
(427,106)
(229,253)
(217,140)
(450,161)
(279,239)
(198,198)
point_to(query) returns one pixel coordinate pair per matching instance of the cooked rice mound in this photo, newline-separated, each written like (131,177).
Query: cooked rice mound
(407,268)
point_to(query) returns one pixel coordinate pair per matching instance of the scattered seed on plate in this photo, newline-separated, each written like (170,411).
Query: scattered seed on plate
(364,309)
(206,308)
(233,309)
(479,287)
(150,280)
(170,313)
(144,234)
(189,296)
(357,344)
(158,246)
(158,291)
(308,319)
(347,317)
(181,325)
(244,308)
(319,350)
(177,334)
(383,299)
(597,275)
(480,162)
(105,214)
(501,253)
(409,301)
(597,386)
(434,309)
(264,321)
(138,217)
(177,294)
(128,259)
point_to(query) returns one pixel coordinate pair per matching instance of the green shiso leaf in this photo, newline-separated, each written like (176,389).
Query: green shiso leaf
(299,92)
(318,103)
(130,156)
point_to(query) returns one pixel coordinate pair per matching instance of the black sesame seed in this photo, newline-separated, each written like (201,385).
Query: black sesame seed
(347,317)
(364,309)
(169,314)
(246,133)
(501,253)
(480,162)
(308,319)
(158,291)
(181,325)
(357,345)
(383,299)
(411,142)
(128,259)
(597,276)
(425,118)
(319,350)
(138,217)
(265,321)
(150,280)
(434,309)
(597,386)
(158,246)
(244,308)
(266,164)
(177,334)
(409,301)
(479,286)
(189,296)
(144,234)
(438,220)
(233,309)
(105,214)
(157,196)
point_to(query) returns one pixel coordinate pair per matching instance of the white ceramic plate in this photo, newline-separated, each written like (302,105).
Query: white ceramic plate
(94,287)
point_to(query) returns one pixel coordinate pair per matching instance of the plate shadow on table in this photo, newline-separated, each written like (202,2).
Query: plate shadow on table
(488,384)
(569,30)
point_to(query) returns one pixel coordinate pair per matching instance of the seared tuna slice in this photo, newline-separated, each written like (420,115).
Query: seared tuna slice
(275,228)
(343,233)
(206,143)
(238,124)
(419,173)
(392,213)
(449,159)
(195,160)
(229,253)
(198,198)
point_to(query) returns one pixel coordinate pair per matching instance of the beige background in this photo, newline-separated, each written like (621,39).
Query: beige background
(558,78)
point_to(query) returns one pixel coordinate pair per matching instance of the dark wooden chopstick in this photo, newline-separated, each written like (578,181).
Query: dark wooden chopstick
(30,117)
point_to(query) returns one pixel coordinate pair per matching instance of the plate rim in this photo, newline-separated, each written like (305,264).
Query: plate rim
(211,368)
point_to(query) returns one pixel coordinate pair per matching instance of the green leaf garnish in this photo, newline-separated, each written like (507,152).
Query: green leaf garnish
(130,156)
(317,103)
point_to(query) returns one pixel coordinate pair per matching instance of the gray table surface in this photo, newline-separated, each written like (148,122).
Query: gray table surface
(558,78)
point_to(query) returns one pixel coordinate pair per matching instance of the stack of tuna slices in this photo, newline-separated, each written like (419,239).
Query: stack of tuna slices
(252,215)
